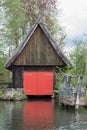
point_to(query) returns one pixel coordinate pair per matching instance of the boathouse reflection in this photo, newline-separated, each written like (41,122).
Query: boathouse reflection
(39,115)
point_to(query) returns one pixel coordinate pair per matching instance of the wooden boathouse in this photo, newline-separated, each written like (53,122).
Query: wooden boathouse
(33,65)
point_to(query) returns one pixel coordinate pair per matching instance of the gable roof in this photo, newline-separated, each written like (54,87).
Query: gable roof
(11,60)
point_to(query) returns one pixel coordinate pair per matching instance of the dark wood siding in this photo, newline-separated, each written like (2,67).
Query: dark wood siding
(38,68)
(17,77)
(38,51)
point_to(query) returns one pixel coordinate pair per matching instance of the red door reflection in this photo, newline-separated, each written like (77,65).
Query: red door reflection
(38,115)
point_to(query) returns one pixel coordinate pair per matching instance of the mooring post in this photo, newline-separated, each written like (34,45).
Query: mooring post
(78,92)
(68,80)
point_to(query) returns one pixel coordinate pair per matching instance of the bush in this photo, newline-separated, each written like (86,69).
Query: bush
(1,94)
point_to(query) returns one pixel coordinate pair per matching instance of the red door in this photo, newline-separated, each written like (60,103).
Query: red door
(38,83)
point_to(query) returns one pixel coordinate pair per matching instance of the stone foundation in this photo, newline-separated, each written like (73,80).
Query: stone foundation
(13,94)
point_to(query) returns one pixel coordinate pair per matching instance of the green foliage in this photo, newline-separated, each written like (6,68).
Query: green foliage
(1,94)
(78,58)
(58,79)
(4,74)
(15,24)
(18,96)
(2,90)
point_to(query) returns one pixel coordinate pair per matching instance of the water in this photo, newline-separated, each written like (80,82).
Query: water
(40,115)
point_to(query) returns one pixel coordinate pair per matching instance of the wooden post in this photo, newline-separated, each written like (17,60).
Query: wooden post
(78,92)
(68,80)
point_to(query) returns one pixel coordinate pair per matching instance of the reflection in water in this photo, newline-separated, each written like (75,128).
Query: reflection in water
(11,115)
(68,119)
(39,115)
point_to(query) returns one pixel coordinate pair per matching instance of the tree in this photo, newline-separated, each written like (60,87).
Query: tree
(21,15)
(15,22)
(48,11)
(78,57)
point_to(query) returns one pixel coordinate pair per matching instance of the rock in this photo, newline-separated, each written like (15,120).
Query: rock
(14,94)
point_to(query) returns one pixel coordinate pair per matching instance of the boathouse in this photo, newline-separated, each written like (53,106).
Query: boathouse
(33,65)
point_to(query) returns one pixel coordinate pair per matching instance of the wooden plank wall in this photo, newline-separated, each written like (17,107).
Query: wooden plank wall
(17,79)
(38,51)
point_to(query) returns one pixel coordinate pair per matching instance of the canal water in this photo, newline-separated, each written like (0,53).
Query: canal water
(40,115)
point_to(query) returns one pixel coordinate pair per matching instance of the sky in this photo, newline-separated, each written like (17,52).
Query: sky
(73,18)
